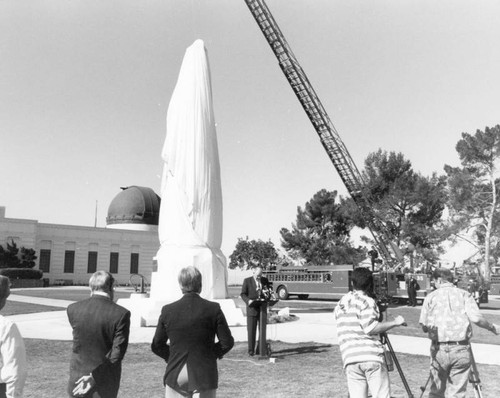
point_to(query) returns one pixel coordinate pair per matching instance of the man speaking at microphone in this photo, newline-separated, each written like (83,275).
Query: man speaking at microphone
(251,293)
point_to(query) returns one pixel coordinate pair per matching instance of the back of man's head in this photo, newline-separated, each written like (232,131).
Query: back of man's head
(444,274)
(4,287)
(190,280)
(101,281)
(362,279)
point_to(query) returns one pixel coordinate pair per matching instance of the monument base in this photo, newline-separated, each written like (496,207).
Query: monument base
(145,311)
(171,259)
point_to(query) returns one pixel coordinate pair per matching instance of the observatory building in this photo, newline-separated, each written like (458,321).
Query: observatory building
(69,254)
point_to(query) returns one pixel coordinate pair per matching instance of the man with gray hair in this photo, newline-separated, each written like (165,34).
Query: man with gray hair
(100,339)
(13,369)
(190,325)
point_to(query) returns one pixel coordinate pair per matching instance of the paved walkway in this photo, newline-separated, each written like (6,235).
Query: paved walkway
(310,327)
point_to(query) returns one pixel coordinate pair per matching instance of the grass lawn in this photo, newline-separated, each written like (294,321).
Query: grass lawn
(15,308)
(301,370)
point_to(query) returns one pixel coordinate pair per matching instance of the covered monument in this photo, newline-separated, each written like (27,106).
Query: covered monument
(190,224)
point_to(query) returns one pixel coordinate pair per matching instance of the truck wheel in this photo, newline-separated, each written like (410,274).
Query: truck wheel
(282,293)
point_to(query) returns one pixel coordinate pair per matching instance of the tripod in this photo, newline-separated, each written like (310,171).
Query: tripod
(384,339)
(473,378)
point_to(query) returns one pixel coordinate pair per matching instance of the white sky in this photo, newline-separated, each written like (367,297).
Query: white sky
(85,86)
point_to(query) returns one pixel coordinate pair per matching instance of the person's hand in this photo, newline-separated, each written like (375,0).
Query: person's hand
(496,328)
(83,385)
(399,320)
(250,302)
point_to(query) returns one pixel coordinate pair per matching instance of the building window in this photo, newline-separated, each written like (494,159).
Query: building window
(113,263)
(134,263)
(69,261)
(44,263)
(92,262)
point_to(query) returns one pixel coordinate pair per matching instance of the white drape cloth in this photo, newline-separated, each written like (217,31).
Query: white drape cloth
(190,226)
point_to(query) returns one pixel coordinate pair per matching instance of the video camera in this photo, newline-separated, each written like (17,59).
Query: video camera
(380,292)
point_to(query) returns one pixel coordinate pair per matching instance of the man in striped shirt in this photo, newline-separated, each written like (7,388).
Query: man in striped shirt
(359,324)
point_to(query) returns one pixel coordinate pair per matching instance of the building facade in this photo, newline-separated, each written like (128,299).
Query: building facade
(69,254)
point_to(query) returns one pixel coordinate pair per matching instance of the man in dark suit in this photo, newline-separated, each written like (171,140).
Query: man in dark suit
(190,325)
(412,290)
(251,292)
(100,339)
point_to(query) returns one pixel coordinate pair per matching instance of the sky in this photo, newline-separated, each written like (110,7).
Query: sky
(85,87)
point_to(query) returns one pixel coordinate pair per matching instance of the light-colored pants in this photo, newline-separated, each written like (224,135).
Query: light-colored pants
(450,367)
(368,375)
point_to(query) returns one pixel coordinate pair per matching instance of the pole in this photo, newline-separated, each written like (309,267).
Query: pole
(262,330)
(95,215)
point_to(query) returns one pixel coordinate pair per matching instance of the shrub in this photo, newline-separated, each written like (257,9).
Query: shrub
(21,273)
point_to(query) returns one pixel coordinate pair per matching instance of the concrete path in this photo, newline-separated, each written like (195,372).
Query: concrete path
(309,327)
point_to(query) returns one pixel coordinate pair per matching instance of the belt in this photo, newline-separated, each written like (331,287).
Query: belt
(461,342)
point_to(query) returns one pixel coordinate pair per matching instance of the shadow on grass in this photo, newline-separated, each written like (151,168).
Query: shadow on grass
(301,350)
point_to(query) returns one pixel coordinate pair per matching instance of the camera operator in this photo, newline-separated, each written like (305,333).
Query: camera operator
(252,294)
(359,323)
(446,316)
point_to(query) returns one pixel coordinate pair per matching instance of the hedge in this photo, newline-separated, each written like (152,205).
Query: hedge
(21,273)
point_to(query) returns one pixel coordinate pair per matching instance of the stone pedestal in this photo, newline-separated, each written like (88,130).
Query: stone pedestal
(171,259)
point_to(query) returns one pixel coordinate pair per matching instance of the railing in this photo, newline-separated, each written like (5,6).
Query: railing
(141,285)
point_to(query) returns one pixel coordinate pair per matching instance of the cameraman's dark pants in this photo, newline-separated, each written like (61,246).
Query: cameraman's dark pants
(252,323)
(3,390)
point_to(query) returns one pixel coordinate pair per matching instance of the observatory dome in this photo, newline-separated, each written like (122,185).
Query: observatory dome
(134,208)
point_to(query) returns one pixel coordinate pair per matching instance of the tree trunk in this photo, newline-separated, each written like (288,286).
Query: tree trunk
(486,271)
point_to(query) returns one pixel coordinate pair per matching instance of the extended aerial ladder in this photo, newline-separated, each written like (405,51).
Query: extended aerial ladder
(333,144)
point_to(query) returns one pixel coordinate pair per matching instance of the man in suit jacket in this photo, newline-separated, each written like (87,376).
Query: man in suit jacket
(251,291)
(100,339)
(191,325)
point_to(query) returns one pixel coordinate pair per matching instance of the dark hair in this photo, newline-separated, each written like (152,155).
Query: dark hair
(4,287)
(362,279)
(443,273)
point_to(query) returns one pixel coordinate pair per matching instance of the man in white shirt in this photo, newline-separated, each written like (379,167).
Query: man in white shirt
(13,368)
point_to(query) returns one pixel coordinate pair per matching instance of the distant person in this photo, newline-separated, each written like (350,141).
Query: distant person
(13,368)
(412,288)
(100,339)
(373,253)
(251,292)
(185,339)
(359,324)
(447,314)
